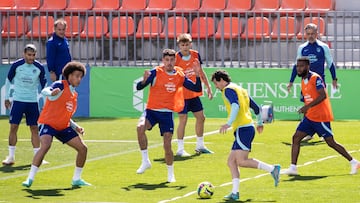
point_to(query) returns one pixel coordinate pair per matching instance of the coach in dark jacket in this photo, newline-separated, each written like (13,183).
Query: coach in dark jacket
(57,50)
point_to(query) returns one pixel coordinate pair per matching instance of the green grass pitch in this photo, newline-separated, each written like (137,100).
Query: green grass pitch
(113,158)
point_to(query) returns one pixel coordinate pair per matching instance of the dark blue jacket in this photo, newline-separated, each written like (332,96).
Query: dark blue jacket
(57,54)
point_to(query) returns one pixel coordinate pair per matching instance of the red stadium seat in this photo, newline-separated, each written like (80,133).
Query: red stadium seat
(27,5)
(291,6)
(187,6)
(74,27)
(319,21)
(203,27)
(14,26)
(256,28)
(266,6)
(149,27)
(238,6)
(322,6)
(175,26)
(95,26)
(106,5)
(50,5)
(230,27)
(284,28)
(159,5)
(133,5)
(42,26)
(122,27)
(79,5)
(7,4)
(212,5)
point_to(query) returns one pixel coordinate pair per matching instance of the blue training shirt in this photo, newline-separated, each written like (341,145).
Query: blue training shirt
(57,54)
(26,79)
(318,53)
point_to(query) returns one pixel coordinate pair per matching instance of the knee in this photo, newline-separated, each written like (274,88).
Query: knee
(231,163)
(140,129)
(202,118)
(240,163)
(167,147)
(14,128)
(44,147)
(83,149)
(331,143)
(296,139)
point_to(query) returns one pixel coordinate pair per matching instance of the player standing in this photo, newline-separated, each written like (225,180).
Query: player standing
(165,97)
(185,59)
(25,75)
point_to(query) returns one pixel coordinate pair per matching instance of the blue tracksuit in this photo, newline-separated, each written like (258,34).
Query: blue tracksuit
(318,53)
(57,54)
(25,79)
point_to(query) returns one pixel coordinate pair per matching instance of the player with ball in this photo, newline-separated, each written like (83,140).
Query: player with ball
(238,104)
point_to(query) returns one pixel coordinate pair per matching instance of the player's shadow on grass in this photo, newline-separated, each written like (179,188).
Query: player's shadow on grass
(12,169)
(304,178)
(147,186)
(305,144)
(248,200)
(37,194)
(177,158)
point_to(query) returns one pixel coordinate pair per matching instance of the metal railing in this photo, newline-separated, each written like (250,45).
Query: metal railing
(110,40)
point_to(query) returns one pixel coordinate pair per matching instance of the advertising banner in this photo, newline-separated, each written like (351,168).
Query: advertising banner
(114,94)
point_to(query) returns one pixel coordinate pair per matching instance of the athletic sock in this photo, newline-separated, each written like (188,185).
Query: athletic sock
(77,173)
(354,161)
(265,166)
(144,155)
(200,142)
(235,183)
(293,167)
(180,145)
(33,171)
(12,151)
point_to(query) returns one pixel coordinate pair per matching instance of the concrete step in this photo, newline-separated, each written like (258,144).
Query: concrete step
(343,42)
(345,55)
(340,29)
(347,5)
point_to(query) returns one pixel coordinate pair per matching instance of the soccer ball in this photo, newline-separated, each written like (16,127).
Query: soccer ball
(205,190)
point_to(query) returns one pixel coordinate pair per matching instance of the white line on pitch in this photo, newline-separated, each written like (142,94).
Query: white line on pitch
(103,157)
(250,178)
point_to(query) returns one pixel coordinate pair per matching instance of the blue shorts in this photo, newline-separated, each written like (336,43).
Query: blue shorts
(323,129)
(164,119)
(243,138)
(193,105)
(63,135)
(18,109)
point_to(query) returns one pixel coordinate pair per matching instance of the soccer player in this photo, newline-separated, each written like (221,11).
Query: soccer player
(238,104)
(318,52)
(55,121)
(25,75)
(185,59)
(317,116)
(57,50)
(165,97)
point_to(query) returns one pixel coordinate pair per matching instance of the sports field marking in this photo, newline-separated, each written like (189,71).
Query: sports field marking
(100,157)
(90,141)
(258,176)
